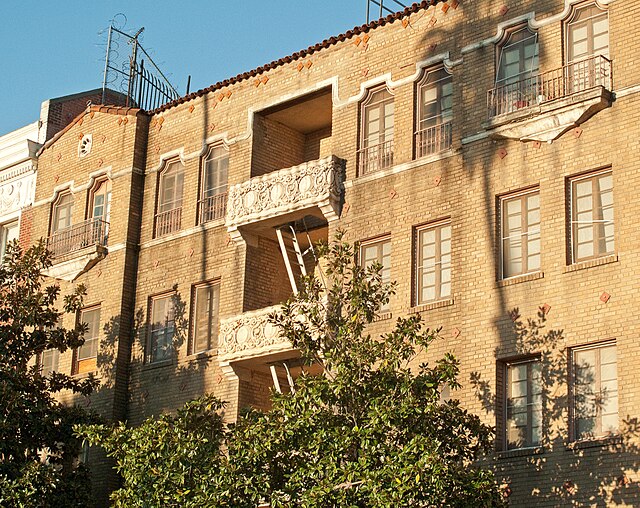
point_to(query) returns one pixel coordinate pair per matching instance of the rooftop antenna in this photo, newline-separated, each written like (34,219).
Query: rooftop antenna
(383,8)
(142,83)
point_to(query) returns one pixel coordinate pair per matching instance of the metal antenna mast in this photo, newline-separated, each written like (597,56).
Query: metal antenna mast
(146,87)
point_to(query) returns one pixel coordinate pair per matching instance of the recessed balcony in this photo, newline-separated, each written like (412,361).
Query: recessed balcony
(311,188)
(75,249)
(544,106)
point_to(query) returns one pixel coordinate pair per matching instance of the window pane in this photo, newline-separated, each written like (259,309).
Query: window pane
(206,318)
(162,328)
(433,270)
(524,408)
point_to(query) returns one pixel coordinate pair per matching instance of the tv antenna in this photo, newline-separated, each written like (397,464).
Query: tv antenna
(382,7)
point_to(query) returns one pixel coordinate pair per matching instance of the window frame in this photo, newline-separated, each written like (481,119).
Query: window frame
(504,43)
(572,217)
(528,360)
(55,209)
(442,138)
(502,201)
(55,363)
(573,412)
(378,242)
(5,228)
(176,224)
(437,226)
(204,214)
(77,364)
(572,20)
(170,296)
(213,340)
(383,159)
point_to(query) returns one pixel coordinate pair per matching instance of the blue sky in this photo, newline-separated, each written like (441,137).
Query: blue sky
(51,48)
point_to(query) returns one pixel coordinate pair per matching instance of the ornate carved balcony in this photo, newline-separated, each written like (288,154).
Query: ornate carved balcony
(250,335)
(544,106)
(314,184)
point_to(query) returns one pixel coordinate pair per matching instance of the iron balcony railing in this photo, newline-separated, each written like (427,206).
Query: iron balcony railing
(551,85)
(375,158)
(212,208)
(433,139)
(87,233)
(168,222)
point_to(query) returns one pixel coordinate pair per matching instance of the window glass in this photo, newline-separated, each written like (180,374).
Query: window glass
(8,233)
(433,268)
(378,251)
(595,391)
(376,144)
(433,131)
(524,404)
(86,354)
(62,213)
(215,170)
(162,328)
(520,226)
(592,225)
(205,329)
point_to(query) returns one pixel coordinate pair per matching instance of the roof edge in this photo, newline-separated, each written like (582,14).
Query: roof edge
(331,41)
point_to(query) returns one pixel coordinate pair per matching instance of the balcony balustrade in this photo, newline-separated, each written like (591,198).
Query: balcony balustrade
(92,232)
(250,335)
(212,208)
(168,222)
(549,86)
(312,184)
(375,158)
(433,139)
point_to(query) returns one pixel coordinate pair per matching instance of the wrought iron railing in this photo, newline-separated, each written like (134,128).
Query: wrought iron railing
(212,208)
(375,158)
(547,86)
(168,222)
(433,139)
(76,237)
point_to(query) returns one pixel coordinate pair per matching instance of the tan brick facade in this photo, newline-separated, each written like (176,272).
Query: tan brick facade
(307,108)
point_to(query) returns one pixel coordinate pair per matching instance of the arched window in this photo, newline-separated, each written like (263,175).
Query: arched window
(434,112)
(376,140)
(213,198)
(62,216)
(100,212)
(169,216)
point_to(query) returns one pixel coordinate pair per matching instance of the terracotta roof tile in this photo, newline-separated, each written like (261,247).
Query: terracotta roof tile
(424,4)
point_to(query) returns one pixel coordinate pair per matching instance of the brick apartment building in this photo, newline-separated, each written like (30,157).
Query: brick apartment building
(484,152)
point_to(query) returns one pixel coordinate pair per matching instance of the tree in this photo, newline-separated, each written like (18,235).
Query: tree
(371,431)
(38,448)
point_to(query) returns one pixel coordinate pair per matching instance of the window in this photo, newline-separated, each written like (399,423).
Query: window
(378,251)
(205,320)
(433,121)
(162,328)
(213,203)
(517,67)
(588,33)
(86,355)
(588,48)
(433,263)
(62,213)
(49,361)
(520,233)
(169,217)
(376,140)
(524,404)
(595,391)
(101,211)
(8,233)
(592,216)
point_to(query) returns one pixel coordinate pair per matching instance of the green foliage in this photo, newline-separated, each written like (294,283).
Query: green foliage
(37,447)
(165,462)
(371,431)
